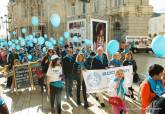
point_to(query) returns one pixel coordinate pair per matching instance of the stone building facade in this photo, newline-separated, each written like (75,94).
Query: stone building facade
(157,25)
(124,17)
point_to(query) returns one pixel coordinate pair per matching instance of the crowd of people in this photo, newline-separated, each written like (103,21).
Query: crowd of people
(64,65)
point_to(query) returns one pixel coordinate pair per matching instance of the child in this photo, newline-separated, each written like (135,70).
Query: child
(129,61)
(115,62)
(119,91)
(41,76)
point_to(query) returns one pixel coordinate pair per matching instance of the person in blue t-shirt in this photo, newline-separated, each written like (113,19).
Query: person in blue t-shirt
(3,107)
(54,83)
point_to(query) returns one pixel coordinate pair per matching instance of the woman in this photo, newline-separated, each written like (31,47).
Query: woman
(77,71)
(152,87)
(130,61)
(54,83)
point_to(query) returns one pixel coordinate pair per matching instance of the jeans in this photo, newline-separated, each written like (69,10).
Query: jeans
(78,79)
(55,97)
(41,83)
(69,84)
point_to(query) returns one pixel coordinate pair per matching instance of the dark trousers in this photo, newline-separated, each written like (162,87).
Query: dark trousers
(78,79)
(9,81)
(41,83)
(55,97)
(4,109)
(68,84)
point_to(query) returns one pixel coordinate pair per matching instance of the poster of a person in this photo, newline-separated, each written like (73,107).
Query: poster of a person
(99,33)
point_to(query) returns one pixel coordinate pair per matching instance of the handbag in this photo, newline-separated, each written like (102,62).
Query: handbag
(117,101)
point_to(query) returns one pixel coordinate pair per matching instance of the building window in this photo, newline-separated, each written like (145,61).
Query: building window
(95,3)
(117,3)
(84,8)
(73,9)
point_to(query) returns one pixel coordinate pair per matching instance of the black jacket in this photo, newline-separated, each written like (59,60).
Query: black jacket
(97,64)
(88,63)
(131,62)
(45,64)
(67,64)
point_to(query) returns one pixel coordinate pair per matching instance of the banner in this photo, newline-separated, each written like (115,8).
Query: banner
(102,80)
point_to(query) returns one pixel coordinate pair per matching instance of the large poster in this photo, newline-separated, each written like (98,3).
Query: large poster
(77,28)
(99,33)
(102,80)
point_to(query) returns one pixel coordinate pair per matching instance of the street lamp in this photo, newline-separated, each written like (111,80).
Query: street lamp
(7,21)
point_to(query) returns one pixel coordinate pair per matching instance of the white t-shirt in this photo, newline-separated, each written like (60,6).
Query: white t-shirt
(54,73)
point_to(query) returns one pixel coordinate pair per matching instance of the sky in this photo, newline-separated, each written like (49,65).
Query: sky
(159,7)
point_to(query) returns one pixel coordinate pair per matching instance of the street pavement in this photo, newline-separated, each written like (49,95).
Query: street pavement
(144,60)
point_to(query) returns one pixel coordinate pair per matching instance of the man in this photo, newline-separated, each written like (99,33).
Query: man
(67,64)
(100,62)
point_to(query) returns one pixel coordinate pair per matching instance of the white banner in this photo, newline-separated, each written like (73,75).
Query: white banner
(101,80)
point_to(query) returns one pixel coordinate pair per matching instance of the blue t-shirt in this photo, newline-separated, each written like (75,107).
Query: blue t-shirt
(2,102)
(58,84)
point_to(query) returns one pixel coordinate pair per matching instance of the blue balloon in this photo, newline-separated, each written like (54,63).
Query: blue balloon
(34,40)
(55,20)
(44,49)
(5,43)
(22,42)
(30,37)
(18,47)
(10,49)
(158,46)
(1,44)
(20,38)
(41,40)
(60,43)
(13,46)
(53,41)
(34,33)
(16,41)
(88,42)
(29,57)
(47,43)
(10,43)
(14,33)
(75,39)
(35,21)
(27,38)
(61,39)
(66,35)
(45,36)
(113,47)
(24,30)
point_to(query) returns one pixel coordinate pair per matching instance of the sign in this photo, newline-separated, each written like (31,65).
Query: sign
(33,67)
(77,28)
(99,33)
(21,76)
(102,80)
